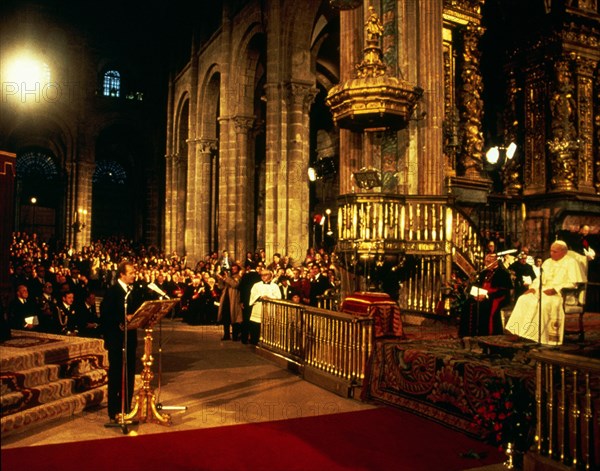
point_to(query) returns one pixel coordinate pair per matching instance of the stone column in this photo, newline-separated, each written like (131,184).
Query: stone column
(242,184)
(204,189)
(83,202)
(176,196)
(192,196)
(275,155)
(351,46)
(169,202)
(294,174)
(431,68)
(227,210)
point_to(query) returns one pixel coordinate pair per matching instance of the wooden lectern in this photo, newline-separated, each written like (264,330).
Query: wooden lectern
(146,317)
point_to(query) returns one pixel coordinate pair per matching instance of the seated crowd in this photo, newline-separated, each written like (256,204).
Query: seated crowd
(55,291)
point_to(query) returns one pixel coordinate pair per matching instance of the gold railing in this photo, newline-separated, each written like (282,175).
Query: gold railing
(334,344)
(567,399)
(380,225)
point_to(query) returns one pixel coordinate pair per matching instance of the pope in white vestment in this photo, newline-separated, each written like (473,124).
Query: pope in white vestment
(558,272)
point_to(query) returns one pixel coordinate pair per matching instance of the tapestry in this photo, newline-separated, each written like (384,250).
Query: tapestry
(448,380)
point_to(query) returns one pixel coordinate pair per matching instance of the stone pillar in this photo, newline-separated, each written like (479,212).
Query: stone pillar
(204,188)
(243,198)
(83,204)
(182,169)
(169,203)
(275,155)
(351,46)
(192,197)
(176,197)
(294,174)
(431,68)
(227,210)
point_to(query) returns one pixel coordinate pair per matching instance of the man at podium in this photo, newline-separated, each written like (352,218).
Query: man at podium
(120,302)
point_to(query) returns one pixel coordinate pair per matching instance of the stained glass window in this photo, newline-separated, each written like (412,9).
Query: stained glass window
(109,171)
(36,163)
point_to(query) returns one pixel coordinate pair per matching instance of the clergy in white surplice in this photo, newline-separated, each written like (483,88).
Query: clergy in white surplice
(558,272)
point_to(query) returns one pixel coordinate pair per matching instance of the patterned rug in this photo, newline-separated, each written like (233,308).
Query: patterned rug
(44,376)
(449,380)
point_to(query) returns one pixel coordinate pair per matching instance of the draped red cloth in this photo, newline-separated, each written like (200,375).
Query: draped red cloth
(380,307)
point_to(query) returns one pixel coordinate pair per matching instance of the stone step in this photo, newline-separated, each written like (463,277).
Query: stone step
(62,408)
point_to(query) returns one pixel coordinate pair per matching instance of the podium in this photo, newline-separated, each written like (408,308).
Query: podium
(146,317)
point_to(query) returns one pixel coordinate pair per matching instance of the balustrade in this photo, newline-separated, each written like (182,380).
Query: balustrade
(567,400)
(377,226)
(334,343)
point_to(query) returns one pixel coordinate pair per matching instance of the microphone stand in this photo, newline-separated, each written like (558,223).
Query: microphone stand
(122,422)
(159,405)
(540,309)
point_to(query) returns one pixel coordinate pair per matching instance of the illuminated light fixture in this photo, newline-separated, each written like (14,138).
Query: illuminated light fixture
(321,169)
(367,178)
(494,153)
(328,213)
(510,150)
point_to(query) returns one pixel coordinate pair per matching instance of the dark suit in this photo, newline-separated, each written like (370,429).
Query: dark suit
(86,315)
(18,311)
(318,285)
(248,280)
(112,316)
(286,292)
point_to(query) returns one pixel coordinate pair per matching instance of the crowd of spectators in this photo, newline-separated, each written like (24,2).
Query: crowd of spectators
(67,281)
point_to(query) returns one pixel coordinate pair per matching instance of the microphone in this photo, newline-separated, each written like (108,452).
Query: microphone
(157,290)
(506,252)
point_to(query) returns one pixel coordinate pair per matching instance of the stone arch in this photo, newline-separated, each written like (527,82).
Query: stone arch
(115,206)
(181,126)
(298,34)
(207,165)
(50,135)
(250,48)
(209,103)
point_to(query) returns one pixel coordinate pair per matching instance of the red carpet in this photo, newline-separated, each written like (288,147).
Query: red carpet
(378,439)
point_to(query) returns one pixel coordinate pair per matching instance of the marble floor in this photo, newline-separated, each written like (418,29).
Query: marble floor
(217,382)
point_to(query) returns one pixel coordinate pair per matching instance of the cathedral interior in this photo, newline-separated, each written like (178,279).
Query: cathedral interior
(404,139)
(428,128)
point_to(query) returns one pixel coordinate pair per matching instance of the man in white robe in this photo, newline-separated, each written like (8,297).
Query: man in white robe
(558,272)
(261,290)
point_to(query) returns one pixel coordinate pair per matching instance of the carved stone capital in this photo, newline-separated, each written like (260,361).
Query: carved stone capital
(208,146)
(302,93)
(243,124)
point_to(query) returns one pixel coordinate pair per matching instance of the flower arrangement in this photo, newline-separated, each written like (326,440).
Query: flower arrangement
(506,415)
(454,296)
